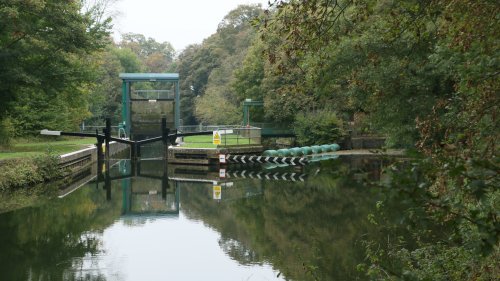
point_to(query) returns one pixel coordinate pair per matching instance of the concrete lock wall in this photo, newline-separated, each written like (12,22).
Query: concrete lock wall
(88,155)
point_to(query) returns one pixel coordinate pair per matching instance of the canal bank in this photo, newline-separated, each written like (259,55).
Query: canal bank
(31,180)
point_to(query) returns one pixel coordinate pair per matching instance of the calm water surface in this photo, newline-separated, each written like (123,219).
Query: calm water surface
(149,221)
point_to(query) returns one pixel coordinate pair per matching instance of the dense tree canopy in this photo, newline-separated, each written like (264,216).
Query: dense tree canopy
(45,54)
(208,70)
(425,74)
(157,57)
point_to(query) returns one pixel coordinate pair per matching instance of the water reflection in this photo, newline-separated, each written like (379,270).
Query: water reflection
(148,220)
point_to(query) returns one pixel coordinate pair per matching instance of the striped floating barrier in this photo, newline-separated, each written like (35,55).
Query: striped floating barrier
(251,159)
(266,175)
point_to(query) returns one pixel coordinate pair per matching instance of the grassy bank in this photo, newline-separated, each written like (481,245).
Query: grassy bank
(206,141)
(34,147)
(28,168)
(26,181)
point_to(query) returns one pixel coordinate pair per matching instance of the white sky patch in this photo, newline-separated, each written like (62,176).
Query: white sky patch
(180,22)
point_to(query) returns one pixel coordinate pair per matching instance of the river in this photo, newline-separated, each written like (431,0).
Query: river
(153,221)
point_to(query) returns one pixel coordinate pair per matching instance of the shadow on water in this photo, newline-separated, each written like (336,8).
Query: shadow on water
(305,223)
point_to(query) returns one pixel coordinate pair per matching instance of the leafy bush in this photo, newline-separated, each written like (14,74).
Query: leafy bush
(320,127)
(23,173)
(47,166)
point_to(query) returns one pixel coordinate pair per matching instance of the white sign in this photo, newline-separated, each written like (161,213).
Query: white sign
(222,173)
(50,133)
(222,158)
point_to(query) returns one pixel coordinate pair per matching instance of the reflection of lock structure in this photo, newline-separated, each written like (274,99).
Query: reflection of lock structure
(121,130)
(217,192)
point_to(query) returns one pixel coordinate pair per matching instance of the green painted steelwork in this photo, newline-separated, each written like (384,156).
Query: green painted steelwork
(268,130)
(152,77)
(125,107)
(246,110)
(157,103)
(177,104)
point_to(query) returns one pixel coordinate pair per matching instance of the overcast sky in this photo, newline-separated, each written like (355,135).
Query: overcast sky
(180,22)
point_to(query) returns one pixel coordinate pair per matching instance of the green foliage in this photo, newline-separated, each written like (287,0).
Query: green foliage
(129,61)
(6,132)
(320,127)
(45,50)
(208,70)
(213,108)
(156,57)
(24,173)
(105,96)
(47,166)
(248,77)
(425,74)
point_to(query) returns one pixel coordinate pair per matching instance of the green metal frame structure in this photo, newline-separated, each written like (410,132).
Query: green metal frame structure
(129,78)
(246,110)
(267,129)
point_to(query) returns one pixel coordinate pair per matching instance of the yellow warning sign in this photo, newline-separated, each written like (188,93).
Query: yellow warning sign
(216,137)
(217,192)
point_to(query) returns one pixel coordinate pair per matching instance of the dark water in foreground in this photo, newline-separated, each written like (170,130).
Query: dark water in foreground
(185,223)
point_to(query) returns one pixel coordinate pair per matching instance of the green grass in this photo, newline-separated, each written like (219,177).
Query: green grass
(24,149)
(206,141)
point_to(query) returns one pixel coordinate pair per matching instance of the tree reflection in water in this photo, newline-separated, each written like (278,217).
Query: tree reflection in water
(307,230)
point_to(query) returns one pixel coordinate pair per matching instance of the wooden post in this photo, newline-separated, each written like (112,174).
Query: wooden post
(133,166)
(138,168)
(99,149)
(133,155)
(107,135)
(138,150)
(164,180)
(164,135)
(107,181)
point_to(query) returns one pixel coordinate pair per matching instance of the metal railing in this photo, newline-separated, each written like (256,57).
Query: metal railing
(229,135)
(115,130)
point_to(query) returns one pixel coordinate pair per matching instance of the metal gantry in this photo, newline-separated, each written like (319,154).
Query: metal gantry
(146,97)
